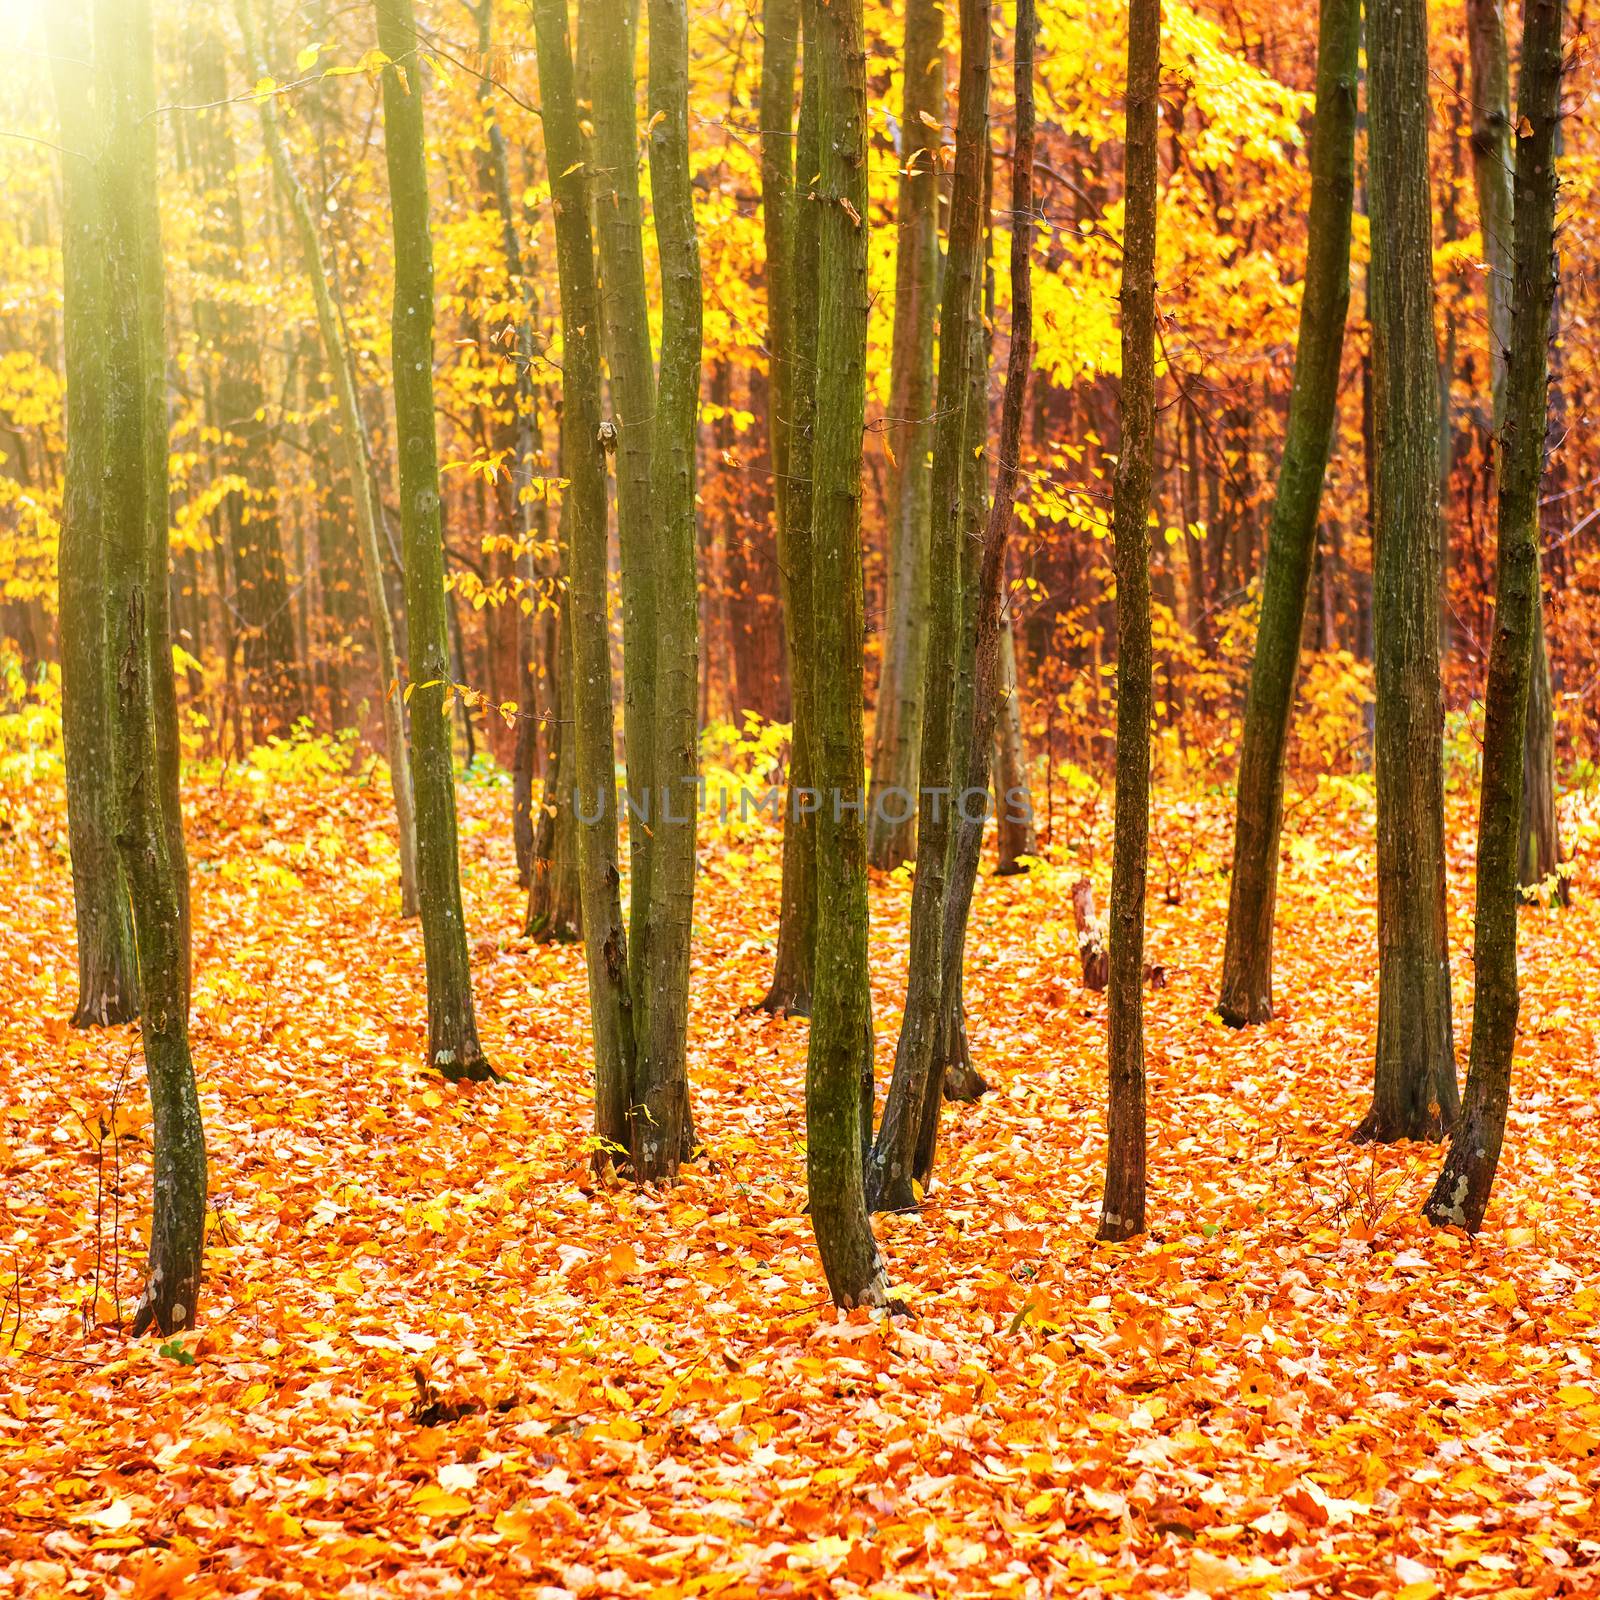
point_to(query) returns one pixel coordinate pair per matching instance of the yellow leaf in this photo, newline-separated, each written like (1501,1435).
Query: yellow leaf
(645,1354)
(307,57)
(432,1501)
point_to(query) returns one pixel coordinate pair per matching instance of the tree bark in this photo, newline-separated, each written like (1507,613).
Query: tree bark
(897,724)
(663,1130)
(624,305)
(453,1046)
(1018,839)
(1414,1089)
(892,1178)
(555,913)
(1291,548)
(1461,1194)
(1492,167)
(593,718)
(108,971)
(1122,1207)
(149,830)
(363,492)
(839,1063)
(792,316)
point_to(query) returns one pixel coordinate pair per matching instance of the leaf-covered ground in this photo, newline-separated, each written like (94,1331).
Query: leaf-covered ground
(436,1358)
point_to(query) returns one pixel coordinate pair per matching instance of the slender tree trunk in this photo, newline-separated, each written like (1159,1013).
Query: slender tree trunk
(108,971)
(1291,548)
(1013,800)
(663,1131)
(555,913)
(623,302)
(1492,177)
(897,726)
(1122,1208)
(961,1079)
(149,832)
(792,319)
(452,1026)
(1461,1194)
(363,491)
(1414,1091)
(839,1065)
(589,665)
(892,1178)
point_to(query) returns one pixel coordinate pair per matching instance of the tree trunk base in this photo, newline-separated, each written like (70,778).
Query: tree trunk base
(1427,1125)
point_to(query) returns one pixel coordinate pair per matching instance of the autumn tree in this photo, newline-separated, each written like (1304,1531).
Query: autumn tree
(108,972)
(235,395)
(897,723)
(1414,1091)
(363,491)
(791,292)
(1461,1193)
(453,1046)
(1122,1207)
(587,661)
(839,1061)
(1292,540)
(892,1172)
(1492,168)
(148,825)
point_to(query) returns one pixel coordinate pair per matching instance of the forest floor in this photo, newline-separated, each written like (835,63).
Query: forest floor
(436,1357)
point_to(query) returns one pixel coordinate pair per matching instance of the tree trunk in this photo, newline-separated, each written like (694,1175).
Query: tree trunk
(791,231)
(1492,176)
(961,1078)
(555,913)
(897,725)
(149,830)
(108,971)
(452,1026)
(1414,1090)
(1122,1207)
(623,302)
(663,1132)
(1291,548)
(1461,1194)
(363,491)
(892,1179)
(593,721)
(839,1064)
(1018,840)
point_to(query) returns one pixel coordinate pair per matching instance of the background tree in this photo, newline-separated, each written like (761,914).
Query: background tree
(1292,542)
(108,973)
(1461,1193)
(1414,1089)
(136,576)
(1122,1208)
(792,319)
(453,1046)
(588,664)
(839,1062)
(897,724)
(892,1171)
(363,491)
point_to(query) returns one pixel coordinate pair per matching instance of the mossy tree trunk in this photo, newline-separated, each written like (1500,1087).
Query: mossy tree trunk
(1291,543)
(1461,1194)
(892,1179)
(792,235)
(1019,841)
(593,725)
(839,1063)
(108,971)
(1414,1089)
(897,725)
(1492,168)
(453,1047)
(624,305)
(1122,1206)
(363,491)
(149,828)
(664,1132)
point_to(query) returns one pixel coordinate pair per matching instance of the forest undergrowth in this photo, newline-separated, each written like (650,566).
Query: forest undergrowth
(438,1355)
